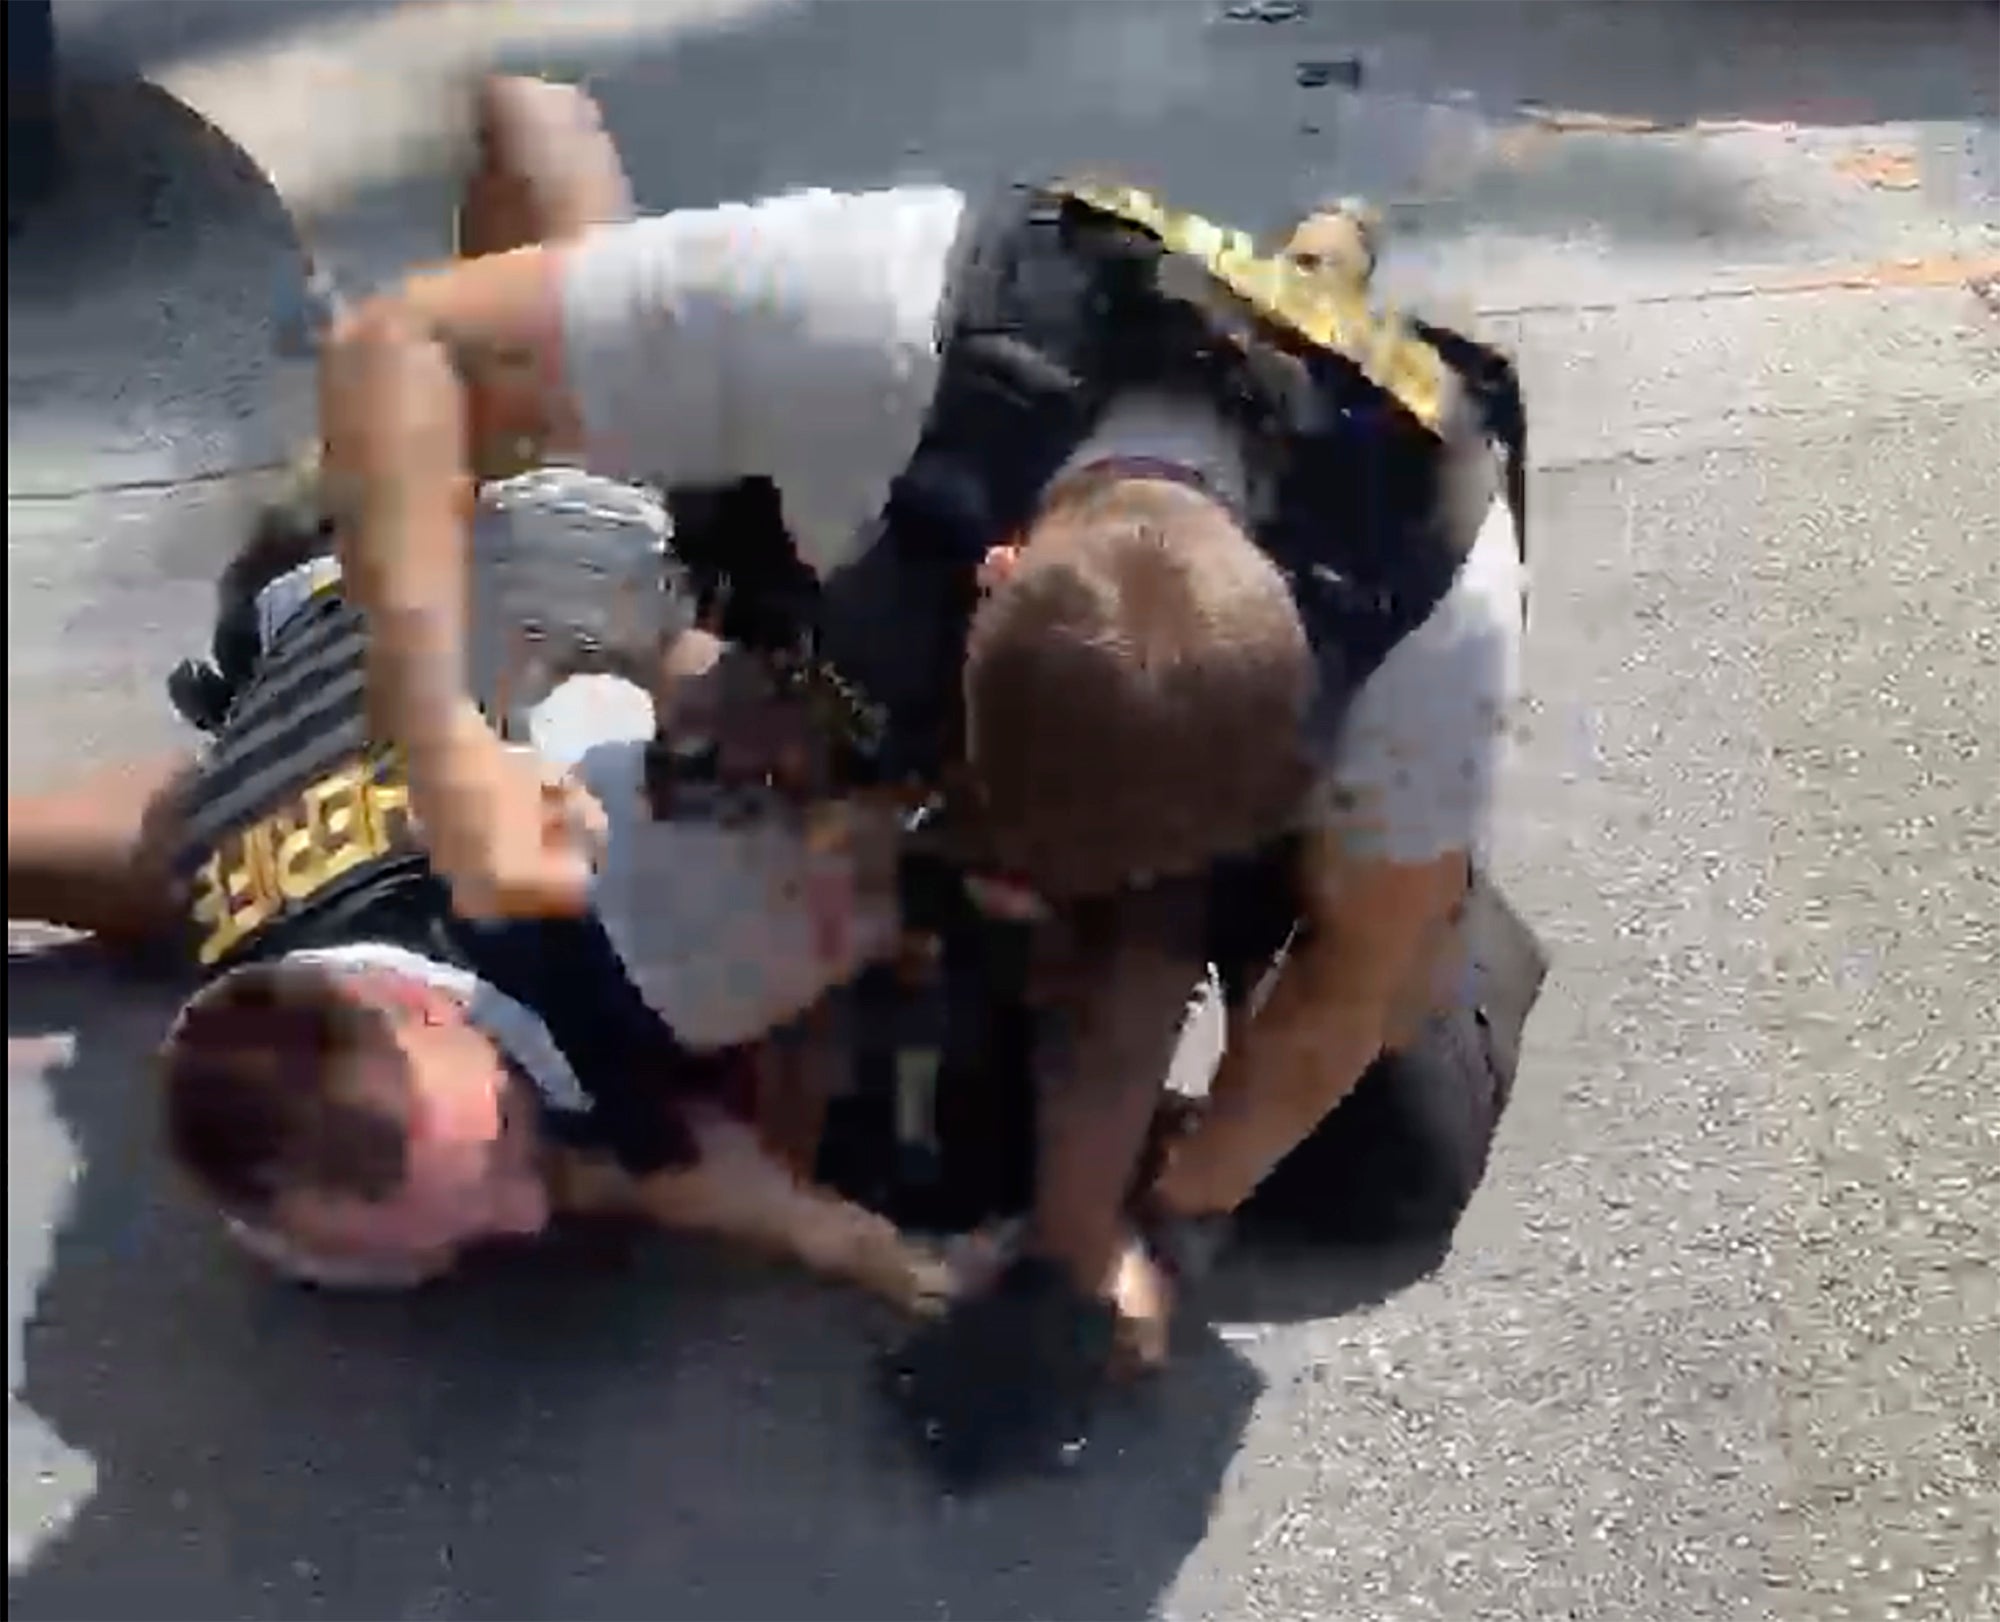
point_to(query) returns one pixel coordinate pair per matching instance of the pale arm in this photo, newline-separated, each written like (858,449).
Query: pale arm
(500,319)
(740,1193)
(1373,929)
(395,473)
(1095,1102)
(508,839)
(1382,877)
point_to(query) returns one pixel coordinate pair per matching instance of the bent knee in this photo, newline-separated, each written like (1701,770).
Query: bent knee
(512,111)
(1340,240)
(547,168)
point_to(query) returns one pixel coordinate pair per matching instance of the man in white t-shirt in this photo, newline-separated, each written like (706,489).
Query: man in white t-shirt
(803,339)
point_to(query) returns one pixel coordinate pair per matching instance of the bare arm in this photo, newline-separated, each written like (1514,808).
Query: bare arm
(97,856)
(1130,984)
(1382,879)
(547,173)
(500,319)
(508,840)
(395,465)
(740,1193)
(1372,929)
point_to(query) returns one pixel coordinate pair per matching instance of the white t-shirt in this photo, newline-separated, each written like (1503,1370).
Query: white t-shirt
(797,338)
(728,932)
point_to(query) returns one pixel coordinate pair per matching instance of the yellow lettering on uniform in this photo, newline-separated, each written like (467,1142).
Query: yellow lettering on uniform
(337,813)
(211,912)
(234,898)
(256,880)
(325,577)
(294,856)
(345,819)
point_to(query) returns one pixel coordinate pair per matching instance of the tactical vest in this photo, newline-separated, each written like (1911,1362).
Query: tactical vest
(297,824)
(1374,439)
(299,835)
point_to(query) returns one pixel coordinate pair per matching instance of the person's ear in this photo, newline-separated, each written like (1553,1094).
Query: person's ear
(998,566)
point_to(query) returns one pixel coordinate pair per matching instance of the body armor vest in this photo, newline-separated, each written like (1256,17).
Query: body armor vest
(297,822)
(1373,439)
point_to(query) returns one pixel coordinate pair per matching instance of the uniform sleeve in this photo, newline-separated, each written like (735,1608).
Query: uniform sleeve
(1414,773)
(794,338)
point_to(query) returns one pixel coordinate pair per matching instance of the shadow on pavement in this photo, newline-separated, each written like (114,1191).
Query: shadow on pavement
(140,299)
(599,1430)
(1263,1281)
(150,197)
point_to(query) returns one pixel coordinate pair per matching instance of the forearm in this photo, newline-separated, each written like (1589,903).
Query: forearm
(1373,928)
(415,667)
(97,856)
(1096,1102)
(454,761)
(1295,1059)
(1089,1137)
(500,319)
(739,1192)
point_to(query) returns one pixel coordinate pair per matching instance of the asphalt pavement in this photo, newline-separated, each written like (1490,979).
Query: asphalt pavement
(1719,1336)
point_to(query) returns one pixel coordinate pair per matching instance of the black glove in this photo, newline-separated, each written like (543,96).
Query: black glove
(1007,1381)
(201,694)
(1185,1247)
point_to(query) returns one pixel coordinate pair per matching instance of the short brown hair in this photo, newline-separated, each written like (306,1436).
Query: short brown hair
(279,1079)
(1136,693)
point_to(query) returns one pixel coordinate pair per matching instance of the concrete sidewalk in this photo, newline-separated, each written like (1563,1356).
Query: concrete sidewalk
(1718,1339)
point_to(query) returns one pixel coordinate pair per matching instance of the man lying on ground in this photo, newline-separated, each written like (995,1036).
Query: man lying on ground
(396,1055)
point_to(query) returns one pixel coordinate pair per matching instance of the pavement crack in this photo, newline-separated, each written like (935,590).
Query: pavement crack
(155,486)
